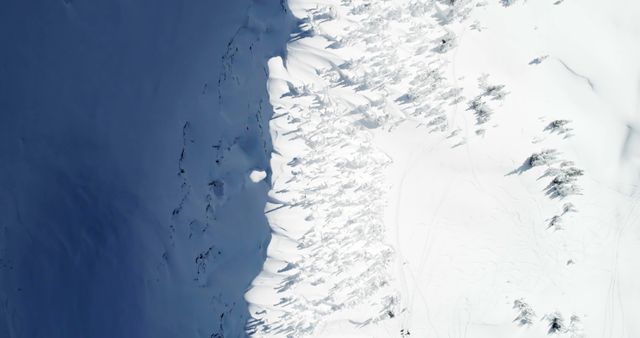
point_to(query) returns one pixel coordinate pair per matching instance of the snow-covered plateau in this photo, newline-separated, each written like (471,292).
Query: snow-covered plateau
(454,169)
(320,168)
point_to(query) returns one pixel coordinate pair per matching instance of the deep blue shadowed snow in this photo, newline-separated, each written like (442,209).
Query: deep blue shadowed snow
(128,130)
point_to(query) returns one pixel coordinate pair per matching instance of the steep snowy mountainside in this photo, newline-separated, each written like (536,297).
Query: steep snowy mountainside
(128,133)
(454,169)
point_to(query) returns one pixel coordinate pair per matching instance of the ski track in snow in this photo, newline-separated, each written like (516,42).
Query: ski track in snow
(425,172)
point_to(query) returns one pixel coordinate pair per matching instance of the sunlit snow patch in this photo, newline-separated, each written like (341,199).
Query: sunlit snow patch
(257,176)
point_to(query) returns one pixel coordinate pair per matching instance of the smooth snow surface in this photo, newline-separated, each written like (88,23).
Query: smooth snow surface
(128,133)
(257,176)
(454,169)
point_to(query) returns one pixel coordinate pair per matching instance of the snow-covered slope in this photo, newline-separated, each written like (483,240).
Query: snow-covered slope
(430,168)
(128,134)
(454,169)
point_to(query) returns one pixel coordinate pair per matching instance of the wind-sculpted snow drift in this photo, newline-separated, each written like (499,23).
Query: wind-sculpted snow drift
(454,169)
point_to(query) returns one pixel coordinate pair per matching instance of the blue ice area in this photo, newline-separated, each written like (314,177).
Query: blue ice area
(128,130)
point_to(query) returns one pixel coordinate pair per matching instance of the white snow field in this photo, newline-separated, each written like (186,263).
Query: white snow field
(454,169)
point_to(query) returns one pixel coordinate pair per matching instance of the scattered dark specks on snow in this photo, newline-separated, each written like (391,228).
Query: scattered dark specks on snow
(525,313)
(481,110)
(555,222)
(538,60)
(446,43)
(560,127)
(536,159)
(407,98)
(507,3)
(480,107)
(544,157)
(568,207)
(555,322)
(203,257)
(563,184)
